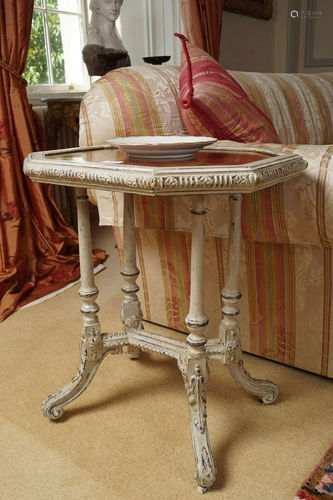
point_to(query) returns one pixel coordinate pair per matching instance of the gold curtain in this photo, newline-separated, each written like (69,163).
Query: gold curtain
(38,250)
(202,21)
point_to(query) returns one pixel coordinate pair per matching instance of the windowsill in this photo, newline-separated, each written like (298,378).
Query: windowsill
(35,97)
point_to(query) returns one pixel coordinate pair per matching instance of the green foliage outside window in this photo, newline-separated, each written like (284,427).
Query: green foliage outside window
(36,70)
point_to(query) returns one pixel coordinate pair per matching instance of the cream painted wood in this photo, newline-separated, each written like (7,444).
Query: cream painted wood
(196,322)
(161,180)
(91,339)
(229,329)
(131,306)
(192,356)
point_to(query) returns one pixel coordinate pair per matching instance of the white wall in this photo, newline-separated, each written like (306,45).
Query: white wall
(278,45)
(147,28)
(132,27)
(247,43)
(322,37)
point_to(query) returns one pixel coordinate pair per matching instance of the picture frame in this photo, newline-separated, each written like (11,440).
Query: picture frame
(261,9)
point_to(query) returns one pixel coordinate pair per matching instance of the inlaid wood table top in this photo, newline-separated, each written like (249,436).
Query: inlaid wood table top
(215,169)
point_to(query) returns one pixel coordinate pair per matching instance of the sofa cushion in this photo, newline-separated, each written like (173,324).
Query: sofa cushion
(214,104)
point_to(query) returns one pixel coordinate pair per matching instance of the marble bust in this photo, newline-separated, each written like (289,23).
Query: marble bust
(104,50)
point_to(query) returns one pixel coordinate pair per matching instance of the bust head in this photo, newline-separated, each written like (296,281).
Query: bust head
(102,27)
(109,9)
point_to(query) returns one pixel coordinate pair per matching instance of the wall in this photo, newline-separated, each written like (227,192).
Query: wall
(315,38)
(133,26)
(283,43)
(247,43)
(147,27)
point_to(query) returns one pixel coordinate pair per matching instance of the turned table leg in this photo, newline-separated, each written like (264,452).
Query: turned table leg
(196,322)
(91,341)
(229,329)
(131,313)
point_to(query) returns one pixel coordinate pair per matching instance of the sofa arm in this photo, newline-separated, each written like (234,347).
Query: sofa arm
(136,100)
(132,101)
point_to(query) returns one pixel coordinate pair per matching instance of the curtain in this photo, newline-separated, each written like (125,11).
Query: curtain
(202,21)
(38,250)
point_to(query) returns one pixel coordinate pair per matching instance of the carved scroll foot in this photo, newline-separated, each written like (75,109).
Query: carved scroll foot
(205,470)
(202,489)
(266,390)
(52,406)
(91,357)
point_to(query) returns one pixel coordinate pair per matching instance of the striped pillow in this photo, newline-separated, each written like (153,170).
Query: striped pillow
(214,104)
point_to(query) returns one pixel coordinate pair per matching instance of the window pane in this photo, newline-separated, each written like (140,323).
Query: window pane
(66,48)
(52,4)
(56,48)
(36,71)
(65,5)
(38,3)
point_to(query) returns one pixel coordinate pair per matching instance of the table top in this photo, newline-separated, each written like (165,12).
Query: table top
(219,168)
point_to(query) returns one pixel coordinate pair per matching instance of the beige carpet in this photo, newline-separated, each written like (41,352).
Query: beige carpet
(128,436)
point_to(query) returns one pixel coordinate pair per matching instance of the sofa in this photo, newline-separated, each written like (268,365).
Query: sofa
(287,230)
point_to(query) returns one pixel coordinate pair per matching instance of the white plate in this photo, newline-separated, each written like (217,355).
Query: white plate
(161,147)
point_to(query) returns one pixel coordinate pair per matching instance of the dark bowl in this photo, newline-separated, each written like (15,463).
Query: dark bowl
(156,59)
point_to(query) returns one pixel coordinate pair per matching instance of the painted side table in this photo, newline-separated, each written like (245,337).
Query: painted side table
(230,171)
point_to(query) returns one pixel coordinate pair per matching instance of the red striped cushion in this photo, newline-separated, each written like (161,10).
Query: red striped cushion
(214,104)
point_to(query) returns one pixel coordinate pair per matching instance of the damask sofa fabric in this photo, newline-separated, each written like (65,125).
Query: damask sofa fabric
(286,258)
(300,106)
(131,101)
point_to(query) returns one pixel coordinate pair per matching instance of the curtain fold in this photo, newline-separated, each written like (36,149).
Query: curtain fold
(38,250)
(202,21)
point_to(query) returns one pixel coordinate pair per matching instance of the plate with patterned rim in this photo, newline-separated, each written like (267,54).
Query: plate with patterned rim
(167,147)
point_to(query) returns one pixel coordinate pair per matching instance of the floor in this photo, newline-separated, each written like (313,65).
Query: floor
(128,436)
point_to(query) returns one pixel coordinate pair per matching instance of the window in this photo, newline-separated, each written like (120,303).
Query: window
(55,50)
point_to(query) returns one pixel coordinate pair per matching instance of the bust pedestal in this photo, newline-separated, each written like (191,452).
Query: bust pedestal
(100,60)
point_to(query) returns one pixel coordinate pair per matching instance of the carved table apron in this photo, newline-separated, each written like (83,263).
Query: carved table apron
(214,170)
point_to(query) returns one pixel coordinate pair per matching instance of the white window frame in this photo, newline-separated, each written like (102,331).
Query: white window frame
(37,92)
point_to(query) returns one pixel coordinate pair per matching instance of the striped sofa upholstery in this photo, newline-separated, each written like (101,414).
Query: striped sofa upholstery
(286,257)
